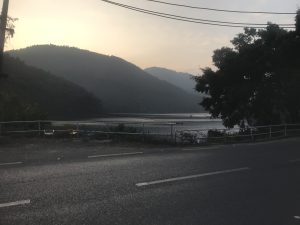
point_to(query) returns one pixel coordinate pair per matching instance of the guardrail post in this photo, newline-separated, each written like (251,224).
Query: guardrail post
(270,132)
(171,134)
(143,132)
(285,134)
(251,133)
(77,130)
(175,137)
(39,127)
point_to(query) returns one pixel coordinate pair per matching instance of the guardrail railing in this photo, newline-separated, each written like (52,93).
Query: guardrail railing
(197,136)
(171,131)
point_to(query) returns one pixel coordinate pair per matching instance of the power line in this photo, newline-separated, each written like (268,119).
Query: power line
(202,20)
(221,10)
(194,20)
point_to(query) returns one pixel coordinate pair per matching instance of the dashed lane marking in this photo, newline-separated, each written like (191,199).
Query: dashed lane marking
(9,204)
(199,149)
(119,154)
(11,163)
(191,177)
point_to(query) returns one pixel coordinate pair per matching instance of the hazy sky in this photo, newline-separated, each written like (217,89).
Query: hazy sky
(144,40)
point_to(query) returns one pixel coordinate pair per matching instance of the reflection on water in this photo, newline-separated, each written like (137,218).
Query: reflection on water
(149,123)
(162,123)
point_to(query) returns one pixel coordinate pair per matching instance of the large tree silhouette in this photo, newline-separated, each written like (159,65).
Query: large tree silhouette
(257,82)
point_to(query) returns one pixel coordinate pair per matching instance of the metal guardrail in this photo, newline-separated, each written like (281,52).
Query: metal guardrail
(237,134)
(86,129)
(170,131)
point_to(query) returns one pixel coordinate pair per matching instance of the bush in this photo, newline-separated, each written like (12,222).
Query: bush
(216,133)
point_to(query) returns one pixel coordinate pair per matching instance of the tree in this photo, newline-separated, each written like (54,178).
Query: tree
(257,81)
(12,109)
(10,29)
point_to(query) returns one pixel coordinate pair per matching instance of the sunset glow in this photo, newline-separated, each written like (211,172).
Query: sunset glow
(141,39)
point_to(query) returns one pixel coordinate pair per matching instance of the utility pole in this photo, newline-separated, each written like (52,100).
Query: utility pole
(3,24)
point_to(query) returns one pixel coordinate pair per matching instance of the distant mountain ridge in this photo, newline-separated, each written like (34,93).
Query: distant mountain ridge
(56,97)
(121,86)
(184,81)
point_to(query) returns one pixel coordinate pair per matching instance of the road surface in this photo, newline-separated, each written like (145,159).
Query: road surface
(243,184)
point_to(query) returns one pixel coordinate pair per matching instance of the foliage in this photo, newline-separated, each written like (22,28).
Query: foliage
(184,81)
(256,82)
(121,86)
(216,133)
(122,128)
(10,29)
(29,94)
(12,109)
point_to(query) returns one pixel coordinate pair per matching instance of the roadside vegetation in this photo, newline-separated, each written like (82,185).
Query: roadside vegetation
(257,81)
(28,93)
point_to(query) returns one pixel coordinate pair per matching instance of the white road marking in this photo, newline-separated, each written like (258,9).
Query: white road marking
(198,149)
(11,163)
(191,177)
(119,154)
(294,160)
(297,217)
(9,204)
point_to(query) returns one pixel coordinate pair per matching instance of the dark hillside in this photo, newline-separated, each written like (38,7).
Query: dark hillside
(57,97)
(184,81)
(121,86)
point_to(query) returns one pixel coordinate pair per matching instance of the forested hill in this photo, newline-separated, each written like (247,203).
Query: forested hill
(121,86)
(184,81)
(55,97)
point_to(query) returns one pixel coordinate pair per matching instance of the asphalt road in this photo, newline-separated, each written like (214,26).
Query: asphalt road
(242,184)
